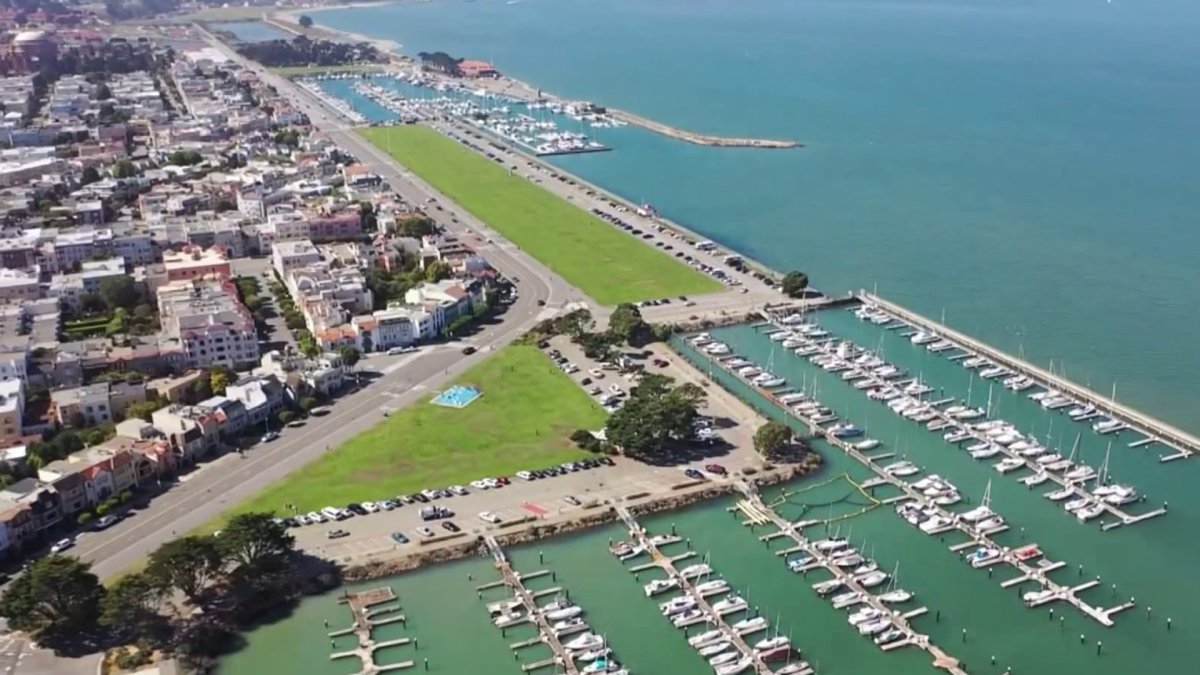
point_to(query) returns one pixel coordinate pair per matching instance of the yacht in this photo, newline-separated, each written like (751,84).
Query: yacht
(896,596)
(872,579)
(729,605)
(1035,478)
(888,636)
(712,587)
(798,564)
(1089,512)
(592,654)
(869,444)
(864,615)
(561,627)
(722,659)
(1082,412)
(1119,495)
(935,523)
(846,430)
(687,617)
(874,627)
(901,469)
(569,612)
(1081,472)
(956,436)
(827,587)
(772,382)
(715,648)
(1077,503)
(1009,464)
(660,586)
(584,642)
(974,362)
(772,643)
(794,668)
(706,638)
(846,599)
(989,524)
(693,571)
(601,665)
(985,453)
(994,371)
(1108,426)
(923,338)
(506,620)
(751,624)
(1050,458)
(948,499)
(983,556)
(831,544)
(1034,597)
(676,605)
(736,667)
(1060,494)
(718,349)
(852,559)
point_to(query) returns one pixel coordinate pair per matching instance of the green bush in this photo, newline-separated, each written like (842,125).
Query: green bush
(124,497)
(84,518)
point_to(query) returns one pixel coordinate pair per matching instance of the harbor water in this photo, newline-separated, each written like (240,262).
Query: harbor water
(1024,166)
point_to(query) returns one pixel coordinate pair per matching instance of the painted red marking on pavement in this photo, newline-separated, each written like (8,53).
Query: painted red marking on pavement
(537,510)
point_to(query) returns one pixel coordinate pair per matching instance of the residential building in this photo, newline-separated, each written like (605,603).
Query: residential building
(209,324)
(193,262)
(289,255)
(17,285)
(12,409)
(88,404)
(70,288)
(261,395)
(446,300)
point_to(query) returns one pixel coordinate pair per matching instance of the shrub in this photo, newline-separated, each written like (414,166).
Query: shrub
(84,518)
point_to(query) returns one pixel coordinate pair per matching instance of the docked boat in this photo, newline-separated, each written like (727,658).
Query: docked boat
(751,624)
(715,648)
(935,523)
(901,469)
(686,618)
(1036,597)
(869,444)
(896,596)
(677,605)
(888,636)
(1108,426)
(772,643)
(1081,472)
(985,453)
(852,559)
(846,599)
(592,654)
(948,498)
(722,659)
(845,431)
(564,613)
(693,571)
(864,615)
(794,668)
(1082,412)
(660,586)
(1009,464)
(511,619)
(706,638)
(990,523)
(729,605)
(872,579)
(585,642)
(1089,512)
(561,627)
(983,556)
(601,665)
(827,587)
(831,544)
(1076,504)
(771,383)
(712,587)
(798,564)
(1035,479)
(874,627)
(736,667)
(1060,494)
(1120,496)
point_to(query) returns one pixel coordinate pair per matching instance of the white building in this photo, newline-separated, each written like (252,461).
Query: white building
(70,288)
(393,327)
(289,255)
(17,285)
(210,324)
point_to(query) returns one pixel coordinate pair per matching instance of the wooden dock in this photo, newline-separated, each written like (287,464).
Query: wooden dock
(638,532)
(1177,439)
(513,580)
(365,607)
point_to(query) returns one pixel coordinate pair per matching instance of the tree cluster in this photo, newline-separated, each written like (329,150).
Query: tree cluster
(657,414)
(303,51)
(795,283)
(772,439)
(191,588)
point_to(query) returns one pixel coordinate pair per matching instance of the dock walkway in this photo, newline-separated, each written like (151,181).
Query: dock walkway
(1182,442)
(512,579)
(637,531)
(364,605)
(940,658)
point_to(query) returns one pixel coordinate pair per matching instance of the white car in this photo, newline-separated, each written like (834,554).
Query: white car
(490,517)
(596,373)
(458,490)
(62,545)
(371,507)
(424,531)
(315,518)
(524,475)
(616,389)
(480,484)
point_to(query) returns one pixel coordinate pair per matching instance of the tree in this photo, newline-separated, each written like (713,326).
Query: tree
(658,413)
(596,346)
(186,564)
(125,168)
(307,403)
(119,292)
(627,325)
(201,389)
(55,601)
(131,608)
(794,283)
(220,378)
(437,270)
(89,175)
(255,542)
(350,355)
(103,93)
(305,21)
(142,411)
(772,438)
(415,226)
(286,416)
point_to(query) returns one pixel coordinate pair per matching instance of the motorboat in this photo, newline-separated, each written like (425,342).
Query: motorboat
(983,556)
(869,444)
(956,436)
(1049,458)
(864,615)
(585,642)
(660,586)
(1108,426)
(712,587)
(564,613)
(874,627)
(601,665)
(1089,512)
(676,605)
(990,523)
(1009,464)
(868,566)
(851,560)
(827,587)
(794,668)
(895,596)
(1076,504)
(985,453)
(715,648)
(1120,496)
(592,654)
(561,627)
(948,499)
(923,338)
(846,430)
(1037,597)
(888,636)
(751,624)
(771,382)
(872,579)
(684,618)
(831,544)
(798,564)
(1081,472)
(706,638)
(722,659)
(901,469)
(846,599)
(935,523)
(630,552)
(509,619)
(1082,412)
(729,605)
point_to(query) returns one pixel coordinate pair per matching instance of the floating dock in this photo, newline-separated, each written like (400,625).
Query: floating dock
(365,608)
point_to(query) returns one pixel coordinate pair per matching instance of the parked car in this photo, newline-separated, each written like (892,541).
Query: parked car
(105,522)
(716,468)
(424,531)
(400,350)
(489,517)
(525,475)
(62,545)
(449,525)
(371,507)
(467,351)
(389,504)
(693,474)
(270,436)
(337,534)
(356,509)
(572,500)
(458,490)
(399,538)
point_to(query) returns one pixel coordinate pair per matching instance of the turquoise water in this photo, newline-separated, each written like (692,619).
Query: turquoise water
(1025,166)
(253,31)
(457,396)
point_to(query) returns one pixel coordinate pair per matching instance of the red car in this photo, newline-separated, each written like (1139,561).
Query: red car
(503,480)
(716,468)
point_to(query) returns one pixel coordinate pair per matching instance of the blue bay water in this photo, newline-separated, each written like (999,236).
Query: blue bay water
(1026,167)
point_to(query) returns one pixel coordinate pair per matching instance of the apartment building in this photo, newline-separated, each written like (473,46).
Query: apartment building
(208,322)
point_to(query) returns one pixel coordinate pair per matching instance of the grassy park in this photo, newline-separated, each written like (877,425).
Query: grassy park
(605,263)
(523,420)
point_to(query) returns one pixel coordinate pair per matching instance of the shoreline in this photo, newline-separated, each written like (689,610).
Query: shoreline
(511,86)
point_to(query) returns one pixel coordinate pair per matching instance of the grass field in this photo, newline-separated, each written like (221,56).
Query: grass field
(605,263)
(312,70)
(523,420)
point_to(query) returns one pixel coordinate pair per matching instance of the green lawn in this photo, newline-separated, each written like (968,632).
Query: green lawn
(523,420)
(605,263)
(313,70)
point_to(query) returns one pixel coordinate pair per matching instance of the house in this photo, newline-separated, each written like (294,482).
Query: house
(447,300)
(289,255)
(193,432)
(12,408)
(88,404)
(261,395)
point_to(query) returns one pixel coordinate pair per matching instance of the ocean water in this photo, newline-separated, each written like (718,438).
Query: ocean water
(1026,167)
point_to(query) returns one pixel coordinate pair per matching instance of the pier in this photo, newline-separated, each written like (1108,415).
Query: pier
(528,600)
(697,138)
(1184,444)
(941,659)
(1051,590)
(365,608)
(711,616)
